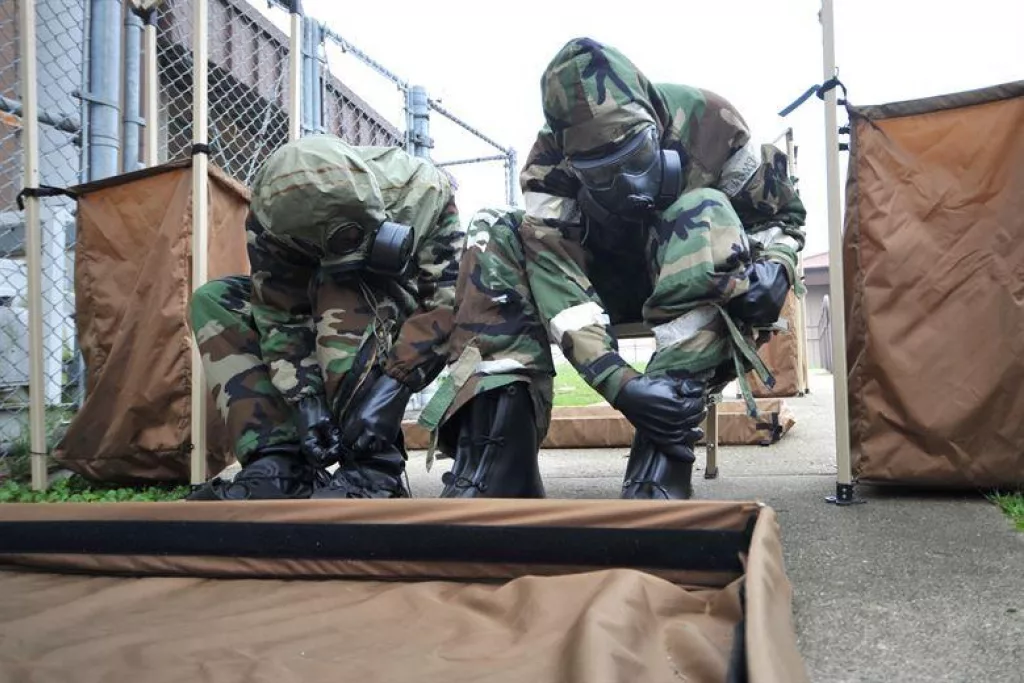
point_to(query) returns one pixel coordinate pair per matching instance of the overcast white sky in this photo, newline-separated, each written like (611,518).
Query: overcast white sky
(484,60)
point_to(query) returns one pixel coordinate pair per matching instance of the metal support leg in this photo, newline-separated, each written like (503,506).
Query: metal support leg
(33,248)
(200,244)
(711,438)
(844,470)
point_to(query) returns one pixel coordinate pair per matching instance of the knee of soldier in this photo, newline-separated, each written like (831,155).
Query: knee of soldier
(224,294)
(495,231)
(700,199)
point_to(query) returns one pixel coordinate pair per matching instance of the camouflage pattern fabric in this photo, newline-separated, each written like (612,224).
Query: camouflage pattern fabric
(295,329)
(498,336)
(677,273)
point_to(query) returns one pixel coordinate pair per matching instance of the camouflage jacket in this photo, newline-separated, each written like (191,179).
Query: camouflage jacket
(316,201)
(594,97)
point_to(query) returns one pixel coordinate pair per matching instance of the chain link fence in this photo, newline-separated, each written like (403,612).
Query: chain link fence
(91,83)
(66,88)
(336,109)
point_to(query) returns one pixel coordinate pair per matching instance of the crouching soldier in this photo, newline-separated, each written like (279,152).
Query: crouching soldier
(354,254)
(643,202)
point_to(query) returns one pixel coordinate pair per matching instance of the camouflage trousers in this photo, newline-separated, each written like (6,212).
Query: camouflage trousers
(256,415)
(499,337)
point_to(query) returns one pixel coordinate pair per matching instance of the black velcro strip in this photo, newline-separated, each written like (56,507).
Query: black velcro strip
(608,360)
(680,549)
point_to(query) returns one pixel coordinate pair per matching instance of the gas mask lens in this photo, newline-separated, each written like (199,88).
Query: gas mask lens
(636,158)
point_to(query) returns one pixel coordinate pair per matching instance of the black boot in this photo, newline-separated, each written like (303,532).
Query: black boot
(496,455)
(276,473)
(654,473)
(375,475)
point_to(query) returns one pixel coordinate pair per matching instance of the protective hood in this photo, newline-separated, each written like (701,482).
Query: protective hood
(594,97)
(316,191)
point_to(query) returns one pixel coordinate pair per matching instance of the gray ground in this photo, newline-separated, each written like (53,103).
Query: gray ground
(907,587)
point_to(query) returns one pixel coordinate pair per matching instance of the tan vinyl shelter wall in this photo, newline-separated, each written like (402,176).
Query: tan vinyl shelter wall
(132,289)
(781,354)
(176,616)
(934,282)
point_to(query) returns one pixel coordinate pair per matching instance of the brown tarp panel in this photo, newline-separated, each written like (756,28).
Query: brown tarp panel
(70,617)
(781,355)
(934,282)
(133,264)
(601,426)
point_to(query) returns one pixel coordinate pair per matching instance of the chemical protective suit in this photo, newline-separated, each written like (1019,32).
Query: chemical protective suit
(643,202)
(354,254)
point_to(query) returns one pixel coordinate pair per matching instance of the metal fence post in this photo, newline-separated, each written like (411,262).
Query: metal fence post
(200,180)
(311,81)
(511,177)
(33,246)
(295,70)
(420,132)
(104,94)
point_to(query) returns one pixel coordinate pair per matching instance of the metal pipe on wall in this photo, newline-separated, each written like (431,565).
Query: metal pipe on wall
(104,96)
(133,122)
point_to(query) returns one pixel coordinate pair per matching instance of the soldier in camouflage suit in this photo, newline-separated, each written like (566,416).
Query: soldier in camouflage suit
(644,202)
(313,358)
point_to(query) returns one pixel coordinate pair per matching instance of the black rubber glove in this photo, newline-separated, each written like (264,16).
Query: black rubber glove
(374,425)
(667,410)
(762,304)
(318,435)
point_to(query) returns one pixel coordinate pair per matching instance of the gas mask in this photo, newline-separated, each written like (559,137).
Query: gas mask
(391,250)
(387,251)
(630,182)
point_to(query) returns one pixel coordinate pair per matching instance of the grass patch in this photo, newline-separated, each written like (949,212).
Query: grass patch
(1012,504)
(75,489)
(573,390)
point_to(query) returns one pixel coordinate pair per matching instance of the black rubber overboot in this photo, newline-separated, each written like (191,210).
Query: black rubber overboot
(497,450)
(376,475)
(654,474)
(276,473)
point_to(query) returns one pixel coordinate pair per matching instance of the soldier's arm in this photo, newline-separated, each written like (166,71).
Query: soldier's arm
(568,305)
(555,266)
(756,180)
(421,348)
(283,314)
(767,203)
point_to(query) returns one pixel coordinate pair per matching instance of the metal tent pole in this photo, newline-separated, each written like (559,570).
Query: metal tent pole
(200,182)
(837,311)
(151,105)
(33,246)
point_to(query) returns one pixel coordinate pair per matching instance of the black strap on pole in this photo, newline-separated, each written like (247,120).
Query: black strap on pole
(200,148)
(818,90)
(43,191)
